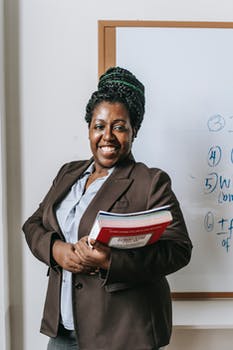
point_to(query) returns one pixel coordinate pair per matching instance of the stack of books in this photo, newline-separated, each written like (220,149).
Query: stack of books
(133,230)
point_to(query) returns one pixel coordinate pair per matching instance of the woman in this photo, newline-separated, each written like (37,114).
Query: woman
(103,298)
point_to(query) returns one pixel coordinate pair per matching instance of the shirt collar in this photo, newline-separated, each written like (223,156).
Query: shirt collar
(91,169)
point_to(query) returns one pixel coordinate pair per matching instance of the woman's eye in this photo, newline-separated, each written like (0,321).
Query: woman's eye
(119,127)
(99,127)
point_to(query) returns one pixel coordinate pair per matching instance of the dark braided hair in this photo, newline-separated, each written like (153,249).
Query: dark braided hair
(119,85)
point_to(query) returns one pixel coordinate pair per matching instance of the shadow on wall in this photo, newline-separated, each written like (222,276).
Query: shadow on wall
(12,78)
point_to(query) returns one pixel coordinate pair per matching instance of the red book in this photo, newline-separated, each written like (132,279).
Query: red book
(131,230)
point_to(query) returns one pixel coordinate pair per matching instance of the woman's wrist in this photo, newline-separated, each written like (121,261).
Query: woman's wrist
(106,263)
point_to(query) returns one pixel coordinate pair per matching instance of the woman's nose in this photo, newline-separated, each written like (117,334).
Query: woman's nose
(108,134)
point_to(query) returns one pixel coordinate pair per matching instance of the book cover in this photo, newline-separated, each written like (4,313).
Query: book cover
(131,230)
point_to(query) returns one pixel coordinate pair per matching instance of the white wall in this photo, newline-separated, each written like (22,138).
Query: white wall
(51,66)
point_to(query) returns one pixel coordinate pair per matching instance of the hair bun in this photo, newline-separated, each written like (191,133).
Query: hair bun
(119,76)
(120,85)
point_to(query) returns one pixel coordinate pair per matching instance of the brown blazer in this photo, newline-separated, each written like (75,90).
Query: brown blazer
(128,306)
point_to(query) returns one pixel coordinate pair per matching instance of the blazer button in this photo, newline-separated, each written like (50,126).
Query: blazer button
(79,285)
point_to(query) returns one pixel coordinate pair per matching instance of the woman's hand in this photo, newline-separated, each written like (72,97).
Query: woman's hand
(64,254)
(97,256)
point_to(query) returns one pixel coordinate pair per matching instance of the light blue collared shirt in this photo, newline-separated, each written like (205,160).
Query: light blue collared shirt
(69,213)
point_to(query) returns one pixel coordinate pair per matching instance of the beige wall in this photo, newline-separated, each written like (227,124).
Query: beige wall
(192,339)
(51,68)
(4,297)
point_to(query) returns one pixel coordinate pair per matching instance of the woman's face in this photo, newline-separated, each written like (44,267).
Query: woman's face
(110,134)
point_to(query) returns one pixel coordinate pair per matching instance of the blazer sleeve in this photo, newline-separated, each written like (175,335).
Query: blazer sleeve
(38,233)
(169,254)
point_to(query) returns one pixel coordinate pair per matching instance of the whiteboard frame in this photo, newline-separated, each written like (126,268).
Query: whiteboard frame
(107,58)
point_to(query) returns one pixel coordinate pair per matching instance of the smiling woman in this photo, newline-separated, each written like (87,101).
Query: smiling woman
(114,114)
(111,135)
(99,297)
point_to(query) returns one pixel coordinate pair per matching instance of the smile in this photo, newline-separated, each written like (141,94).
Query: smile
(108,149)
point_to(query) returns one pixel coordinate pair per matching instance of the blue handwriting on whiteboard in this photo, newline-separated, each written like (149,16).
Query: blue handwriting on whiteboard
(209,221)
(214,181)
(217,123)
(214,156)
(222,185)
(222,227)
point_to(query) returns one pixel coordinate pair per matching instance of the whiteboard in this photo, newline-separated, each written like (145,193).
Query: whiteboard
(188,132)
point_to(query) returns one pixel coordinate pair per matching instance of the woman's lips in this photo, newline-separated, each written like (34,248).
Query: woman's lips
(108,150)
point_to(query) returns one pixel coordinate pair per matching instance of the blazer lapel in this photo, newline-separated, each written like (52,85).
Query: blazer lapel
(68,180)
(62,189)
(108,194)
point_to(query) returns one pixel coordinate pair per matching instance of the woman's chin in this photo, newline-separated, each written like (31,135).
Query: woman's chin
(107,162)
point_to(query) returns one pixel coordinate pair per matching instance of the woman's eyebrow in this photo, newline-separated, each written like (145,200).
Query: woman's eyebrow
(114,121)
(100,120)
(119,120)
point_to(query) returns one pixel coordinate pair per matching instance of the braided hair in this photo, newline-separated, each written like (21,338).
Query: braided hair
(119,85)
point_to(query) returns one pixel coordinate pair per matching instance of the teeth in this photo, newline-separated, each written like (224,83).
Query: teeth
(108,148)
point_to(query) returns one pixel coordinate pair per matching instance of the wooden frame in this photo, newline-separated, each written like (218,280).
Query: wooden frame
(107,35)
(107,58)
